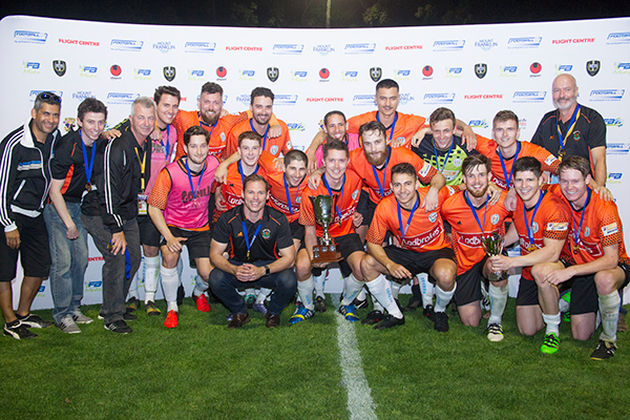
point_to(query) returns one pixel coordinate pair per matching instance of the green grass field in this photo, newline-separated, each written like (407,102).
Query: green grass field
(203,370)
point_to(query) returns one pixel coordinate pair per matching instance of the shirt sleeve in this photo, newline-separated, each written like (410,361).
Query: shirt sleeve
(161,189)
(307,218)
(378,228)
(284,238)
(597,133)
(62,160)
(221,230)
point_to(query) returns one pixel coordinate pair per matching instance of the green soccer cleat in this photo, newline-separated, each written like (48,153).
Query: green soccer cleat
(550,344)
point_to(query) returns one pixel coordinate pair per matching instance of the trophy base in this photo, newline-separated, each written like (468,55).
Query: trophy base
(326,254)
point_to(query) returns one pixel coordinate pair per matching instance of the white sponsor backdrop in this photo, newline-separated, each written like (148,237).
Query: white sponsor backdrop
(321,70)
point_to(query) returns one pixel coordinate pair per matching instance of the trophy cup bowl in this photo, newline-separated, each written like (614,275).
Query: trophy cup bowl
(326,249)
(493,245)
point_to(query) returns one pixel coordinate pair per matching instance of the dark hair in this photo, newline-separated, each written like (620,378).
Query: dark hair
(442,114)
(211,87)
(527,163)
(255,178)
(251,135)
(505,115)
(335,145)
(46,98)
(404,168)
(475,160)
(575,162)
(195,130)
(91,105)
(331,113)
(387,84)
(261,91)
(373,126)
(168,90)
(295,154)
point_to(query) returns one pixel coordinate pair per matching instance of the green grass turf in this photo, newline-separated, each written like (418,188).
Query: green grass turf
(203,370)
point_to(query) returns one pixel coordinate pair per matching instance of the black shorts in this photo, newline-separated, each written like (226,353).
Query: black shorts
(297,230)
(417,262)
(527,293)
(149,235)
(366,208)
(469,284)
(34,251)
(198,242)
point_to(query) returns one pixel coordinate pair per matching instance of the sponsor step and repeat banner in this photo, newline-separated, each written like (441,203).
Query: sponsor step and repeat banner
(474,70)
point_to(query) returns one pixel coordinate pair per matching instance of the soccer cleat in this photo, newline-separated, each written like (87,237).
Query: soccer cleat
(273,320)
(18,331)
(349,312)
(604,350)
(68,325)
(429,312)
(152,309)
(260,307)
(133,304)
(495,332)
(202,303)
(389,321)
(360,304)
(81,318)
(440,321)
(301,314)
(238,320)
(320,304)
(33,321)
(250,300)
(413,304)
(550,344)
(171,319)
(129,316)
(119,327)
(373,317)
(229,317)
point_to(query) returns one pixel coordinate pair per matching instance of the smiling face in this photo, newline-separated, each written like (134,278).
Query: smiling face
(564,92)
(442,132)
(197,149)
(262,108)
(336,162)
(142,120)
(92,125)
(374,147)
(335,127)
(527,186)
(477,180)
(574,185)
(250,151)
(46,119)
(255,196)
(404,187)
(505,133)
(210,107)
(295,172)
(167,108)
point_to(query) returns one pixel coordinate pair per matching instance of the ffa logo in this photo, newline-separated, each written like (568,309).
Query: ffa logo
(587,232)
(59,66)
(592,67)
(273,73)
(221,71)
(577,136)
(494,219)
(427,71)
(273,149)
(169,73)
(376,73)
(457,162)
(324,73)
(115,70)
(355,194)
(480,70)
(534,227)
(222,136)
(432,217)
(266,233)
(535,68)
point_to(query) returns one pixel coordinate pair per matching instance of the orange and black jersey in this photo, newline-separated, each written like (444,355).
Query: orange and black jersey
(232,189)
(284,198)
(549,219)
(344,208)
(414,228)
(218,132)
(399,134)
(465,221)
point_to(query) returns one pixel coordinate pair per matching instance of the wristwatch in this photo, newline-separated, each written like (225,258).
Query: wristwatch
(267,270)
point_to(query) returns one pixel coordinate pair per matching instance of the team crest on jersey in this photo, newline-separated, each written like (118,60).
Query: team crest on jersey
(494,219)
(298,199)
(222,136)
(577,135)
(355,194)
(592,67)
(457,162)
(266,233)
(587,232)
(169,73)
(534,227)
(273,73)
(397,142)
(376,73)
(59,66)
(433,217)
(480,70)
(273,149)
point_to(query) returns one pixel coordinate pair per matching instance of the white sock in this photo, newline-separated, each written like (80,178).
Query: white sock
(138,278)
(426,289)
(609,310)
(305,290)
(553,323)
(443,298)
(170,283)
(200,285)
(351,288)
(262,295)
(151,271)
(498,299)
(320,282)
(395,288)
(362,295)
(382,292)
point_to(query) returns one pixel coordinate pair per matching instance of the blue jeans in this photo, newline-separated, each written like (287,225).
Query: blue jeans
(69,261)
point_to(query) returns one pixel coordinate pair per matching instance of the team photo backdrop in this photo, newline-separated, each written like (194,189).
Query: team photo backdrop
(476,70)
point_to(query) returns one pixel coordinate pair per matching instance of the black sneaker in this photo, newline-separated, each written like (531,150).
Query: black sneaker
(128,316)
(360,304)
(389,321)
(413,304)
(119,327)
(133,304)
(429,312)
(180,295)
(320,304)
(373,317)
(18,330)
(33,321)
(440,320)
(604,350)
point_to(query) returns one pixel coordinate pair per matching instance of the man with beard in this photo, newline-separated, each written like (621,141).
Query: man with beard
(573,129)
(335,127)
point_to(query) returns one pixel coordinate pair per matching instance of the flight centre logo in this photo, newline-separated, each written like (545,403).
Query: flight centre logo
(29,37)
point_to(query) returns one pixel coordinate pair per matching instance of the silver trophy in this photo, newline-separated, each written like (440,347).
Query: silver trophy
(326,251)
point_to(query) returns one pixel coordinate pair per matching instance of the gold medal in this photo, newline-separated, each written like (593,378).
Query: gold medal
(88,186)
(248,255)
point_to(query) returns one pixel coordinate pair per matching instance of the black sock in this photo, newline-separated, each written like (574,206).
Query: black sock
(415,289)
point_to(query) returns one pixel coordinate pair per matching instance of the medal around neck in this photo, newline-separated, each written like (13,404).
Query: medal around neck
(326,250)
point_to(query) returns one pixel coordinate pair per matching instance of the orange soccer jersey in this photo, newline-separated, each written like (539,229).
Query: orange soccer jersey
(592,228)
(421,232)
(369,174)
(283,198)
(550,220)
(404,127)
(344,209)
(502,167)
(466,231)
(218,132)
(275,146)
(232,189)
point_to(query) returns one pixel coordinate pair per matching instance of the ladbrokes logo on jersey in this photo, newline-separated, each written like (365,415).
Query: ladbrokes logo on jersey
(288,49)
(439,98)
(126,45)
(360,48)
(449,45)
(423,238)
(524,42)
(30,37)
(524,96)
(614,38)
(199,47)
(607,94)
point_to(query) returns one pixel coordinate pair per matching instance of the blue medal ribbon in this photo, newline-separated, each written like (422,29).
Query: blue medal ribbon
(403,232)
(264,135)
(576,234)
(393,126)
(247,241)
(437,162)
(193,190)
(529,224)
(240,171)
(508,181)
(563,139)
(340,196)
(166,147)
(381,187)
(201,124)
(87,165)
(474,211)
(286,190)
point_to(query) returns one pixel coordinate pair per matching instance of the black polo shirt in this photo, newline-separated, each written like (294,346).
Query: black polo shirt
(274,234)
(589,132)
